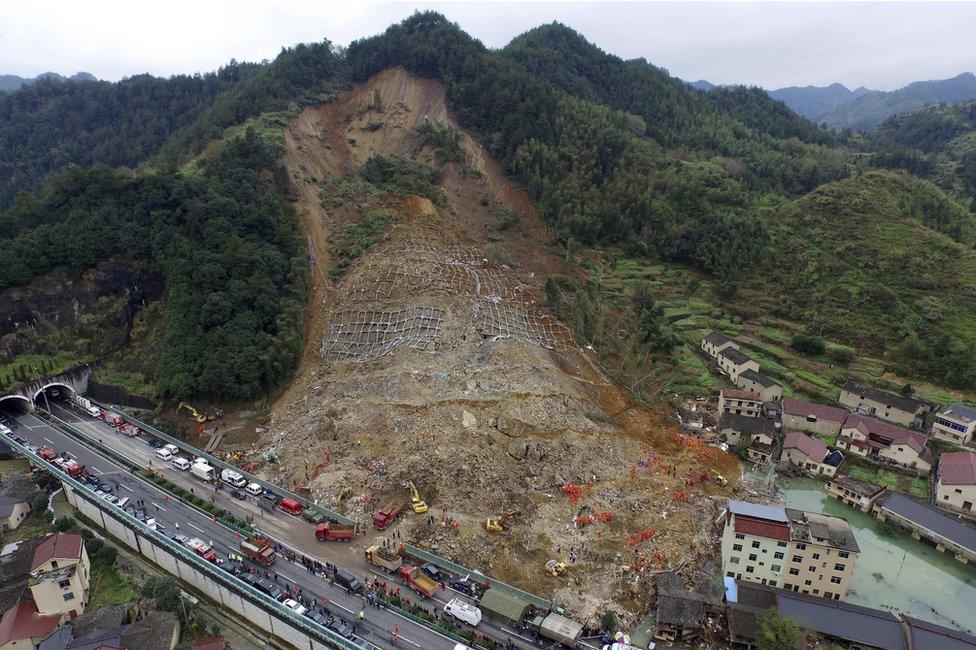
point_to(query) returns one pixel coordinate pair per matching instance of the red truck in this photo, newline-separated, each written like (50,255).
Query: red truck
(47,453)
(419,581)
(387,514)
(202,549)
(74,469)
(290,506)
(332,532)
(259,549)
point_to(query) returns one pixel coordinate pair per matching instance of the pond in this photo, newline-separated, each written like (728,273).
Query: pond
(894,571)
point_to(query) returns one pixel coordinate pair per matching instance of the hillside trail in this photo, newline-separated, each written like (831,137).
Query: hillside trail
(432,360)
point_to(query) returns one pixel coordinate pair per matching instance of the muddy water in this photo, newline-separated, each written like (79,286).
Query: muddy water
(894,571)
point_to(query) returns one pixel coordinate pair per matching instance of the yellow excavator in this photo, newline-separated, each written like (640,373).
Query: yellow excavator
(555,568)
(497,524)
(197,415)
(419,505)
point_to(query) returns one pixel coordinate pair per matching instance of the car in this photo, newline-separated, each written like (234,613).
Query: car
(155,525)
(179,539)
(111,498)
(254,489)
(295,605)
(164,455)
(123,502)
(270,588)
(171,448)
(467,587)
(317,616)
(250,579)
(155,443)
(100,494)
(348,581)
(181,464)
(433,572)
(240,496)
(341,628)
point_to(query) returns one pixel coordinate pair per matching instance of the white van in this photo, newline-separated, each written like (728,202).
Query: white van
(173,449)
(230,477)
(181,464)
(463,612)
(255,489)
(123,502)
(164,454)
(94,411)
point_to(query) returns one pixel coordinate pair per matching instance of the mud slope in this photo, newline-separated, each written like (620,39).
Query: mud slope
(431,360)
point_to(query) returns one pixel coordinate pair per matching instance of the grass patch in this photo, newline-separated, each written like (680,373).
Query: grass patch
(28,367)
(109,588)
(37,524)
(919,487)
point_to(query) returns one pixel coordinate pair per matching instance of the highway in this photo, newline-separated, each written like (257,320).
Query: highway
(293,533)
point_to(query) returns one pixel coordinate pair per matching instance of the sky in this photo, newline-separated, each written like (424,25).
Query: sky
(879,45)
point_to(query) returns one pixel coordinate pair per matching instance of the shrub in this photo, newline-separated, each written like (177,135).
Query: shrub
(608,621)
(842,355)
(808,344)
(107,555)
(63,524)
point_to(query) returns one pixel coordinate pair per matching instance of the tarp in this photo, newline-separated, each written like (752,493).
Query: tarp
(503,606)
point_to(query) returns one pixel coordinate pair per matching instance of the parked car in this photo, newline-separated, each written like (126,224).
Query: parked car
(270,588)
(164,455)
(341,628)
(317,616)
(348,581)
(155,443)
(433,572)
(179,539)
(171,448)
(467,587)
(462,611)
(295,605)
(181,464)
(238,495)
(255,489)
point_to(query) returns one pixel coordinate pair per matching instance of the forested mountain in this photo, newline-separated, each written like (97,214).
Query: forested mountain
(11,82)
(813,102)
(614,153)
(872,109)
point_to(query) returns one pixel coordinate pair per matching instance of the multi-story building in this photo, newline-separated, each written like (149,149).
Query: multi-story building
(739,402)
(811,417)
(955,488)
(880,404)
(809,454)
(880,440)
(955,423)
(759,383)
(800,551)
(733,427)
(855,493)
(734,362)
(59,574)
(715,342)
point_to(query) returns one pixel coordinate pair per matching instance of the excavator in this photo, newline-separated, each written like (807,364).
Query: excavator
(419,505)
(197,415)
(555,568)
(497,524)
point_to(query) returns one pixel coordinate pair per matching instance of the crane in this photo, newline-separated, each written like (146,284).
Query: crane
(497,524)
(419,505)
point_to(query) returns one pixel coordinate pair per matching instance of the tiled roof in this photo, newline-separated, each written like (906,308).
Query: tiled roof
(853,623)
(906,404)
(746,424)
(731,393)
(896,434)
(928,517)
(960,412)
(803,409)
(759,378)
(59,546)
(23,622)
(717,338)
(929,636)
(957,468)
(758,511)
(762,528)
(861,488)
(735,356)
(814,448)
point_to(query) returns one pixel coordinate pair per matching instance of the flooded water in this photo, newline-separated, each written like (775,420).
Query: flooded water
(894,571)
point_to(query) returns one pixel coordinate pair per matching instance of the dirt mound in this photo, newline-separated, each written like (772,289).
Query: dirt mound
(431,360)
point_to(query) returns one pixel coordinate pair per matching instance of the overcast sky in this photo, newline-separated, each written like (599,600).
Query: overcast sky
(879,45)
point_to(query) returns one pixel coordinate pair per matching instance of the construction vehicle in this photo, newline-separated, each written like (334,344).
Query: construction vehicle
(418,580)
(197,415)
(333,532)
(259,549)
(387,514)
(497,524)
(555,568)
(721,480)
(558,628)
(419,505)
(390,560)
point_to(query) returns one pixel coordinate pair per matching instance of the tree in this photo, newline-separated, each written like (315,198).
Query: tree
(654,331)
(808,344)
(608,621)
(107,555)
(63,525)
(166,592)
(777,632)
(907,390)
(37,501)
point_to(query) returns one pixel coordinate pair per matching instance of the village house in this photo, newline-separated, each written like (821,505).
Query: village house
(800,551)
(855,493)
(734,363)
(948,534)
(14,508)
(714,343)
(761,449)
(733,427)
(884,441)
(955,423)
(59,575)
(955,488)
(880,404)
(812,418)
(769,391)
(809,454)
(739,402)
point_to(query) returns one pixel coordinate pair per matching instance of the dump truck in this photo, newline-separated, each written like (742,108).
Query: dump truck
(259,549)
(419,581)
(386,559)
(387,514)
(558,628)
(203,471)
(333,532)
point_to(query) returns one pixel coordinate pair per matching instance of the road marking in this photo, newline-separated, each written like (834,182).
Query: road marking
(159,507)
(126,487)
(96,470)
(403,638)
(196,528)
(69,454)
(48,439)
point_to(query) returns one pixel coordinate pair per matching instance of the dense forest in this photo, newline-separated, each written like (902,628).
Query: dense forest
(614,153)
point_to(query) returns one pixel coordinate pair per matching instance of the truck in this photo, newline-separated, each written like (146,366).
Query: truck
(558,628)
(74,469)
(387,514)
(418,580)
(47,453)
(202,549)
(330,531)
(85,405)
(230,477)
(313,516)
(386,559)
(290,506)
(203,471)
(259,549)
